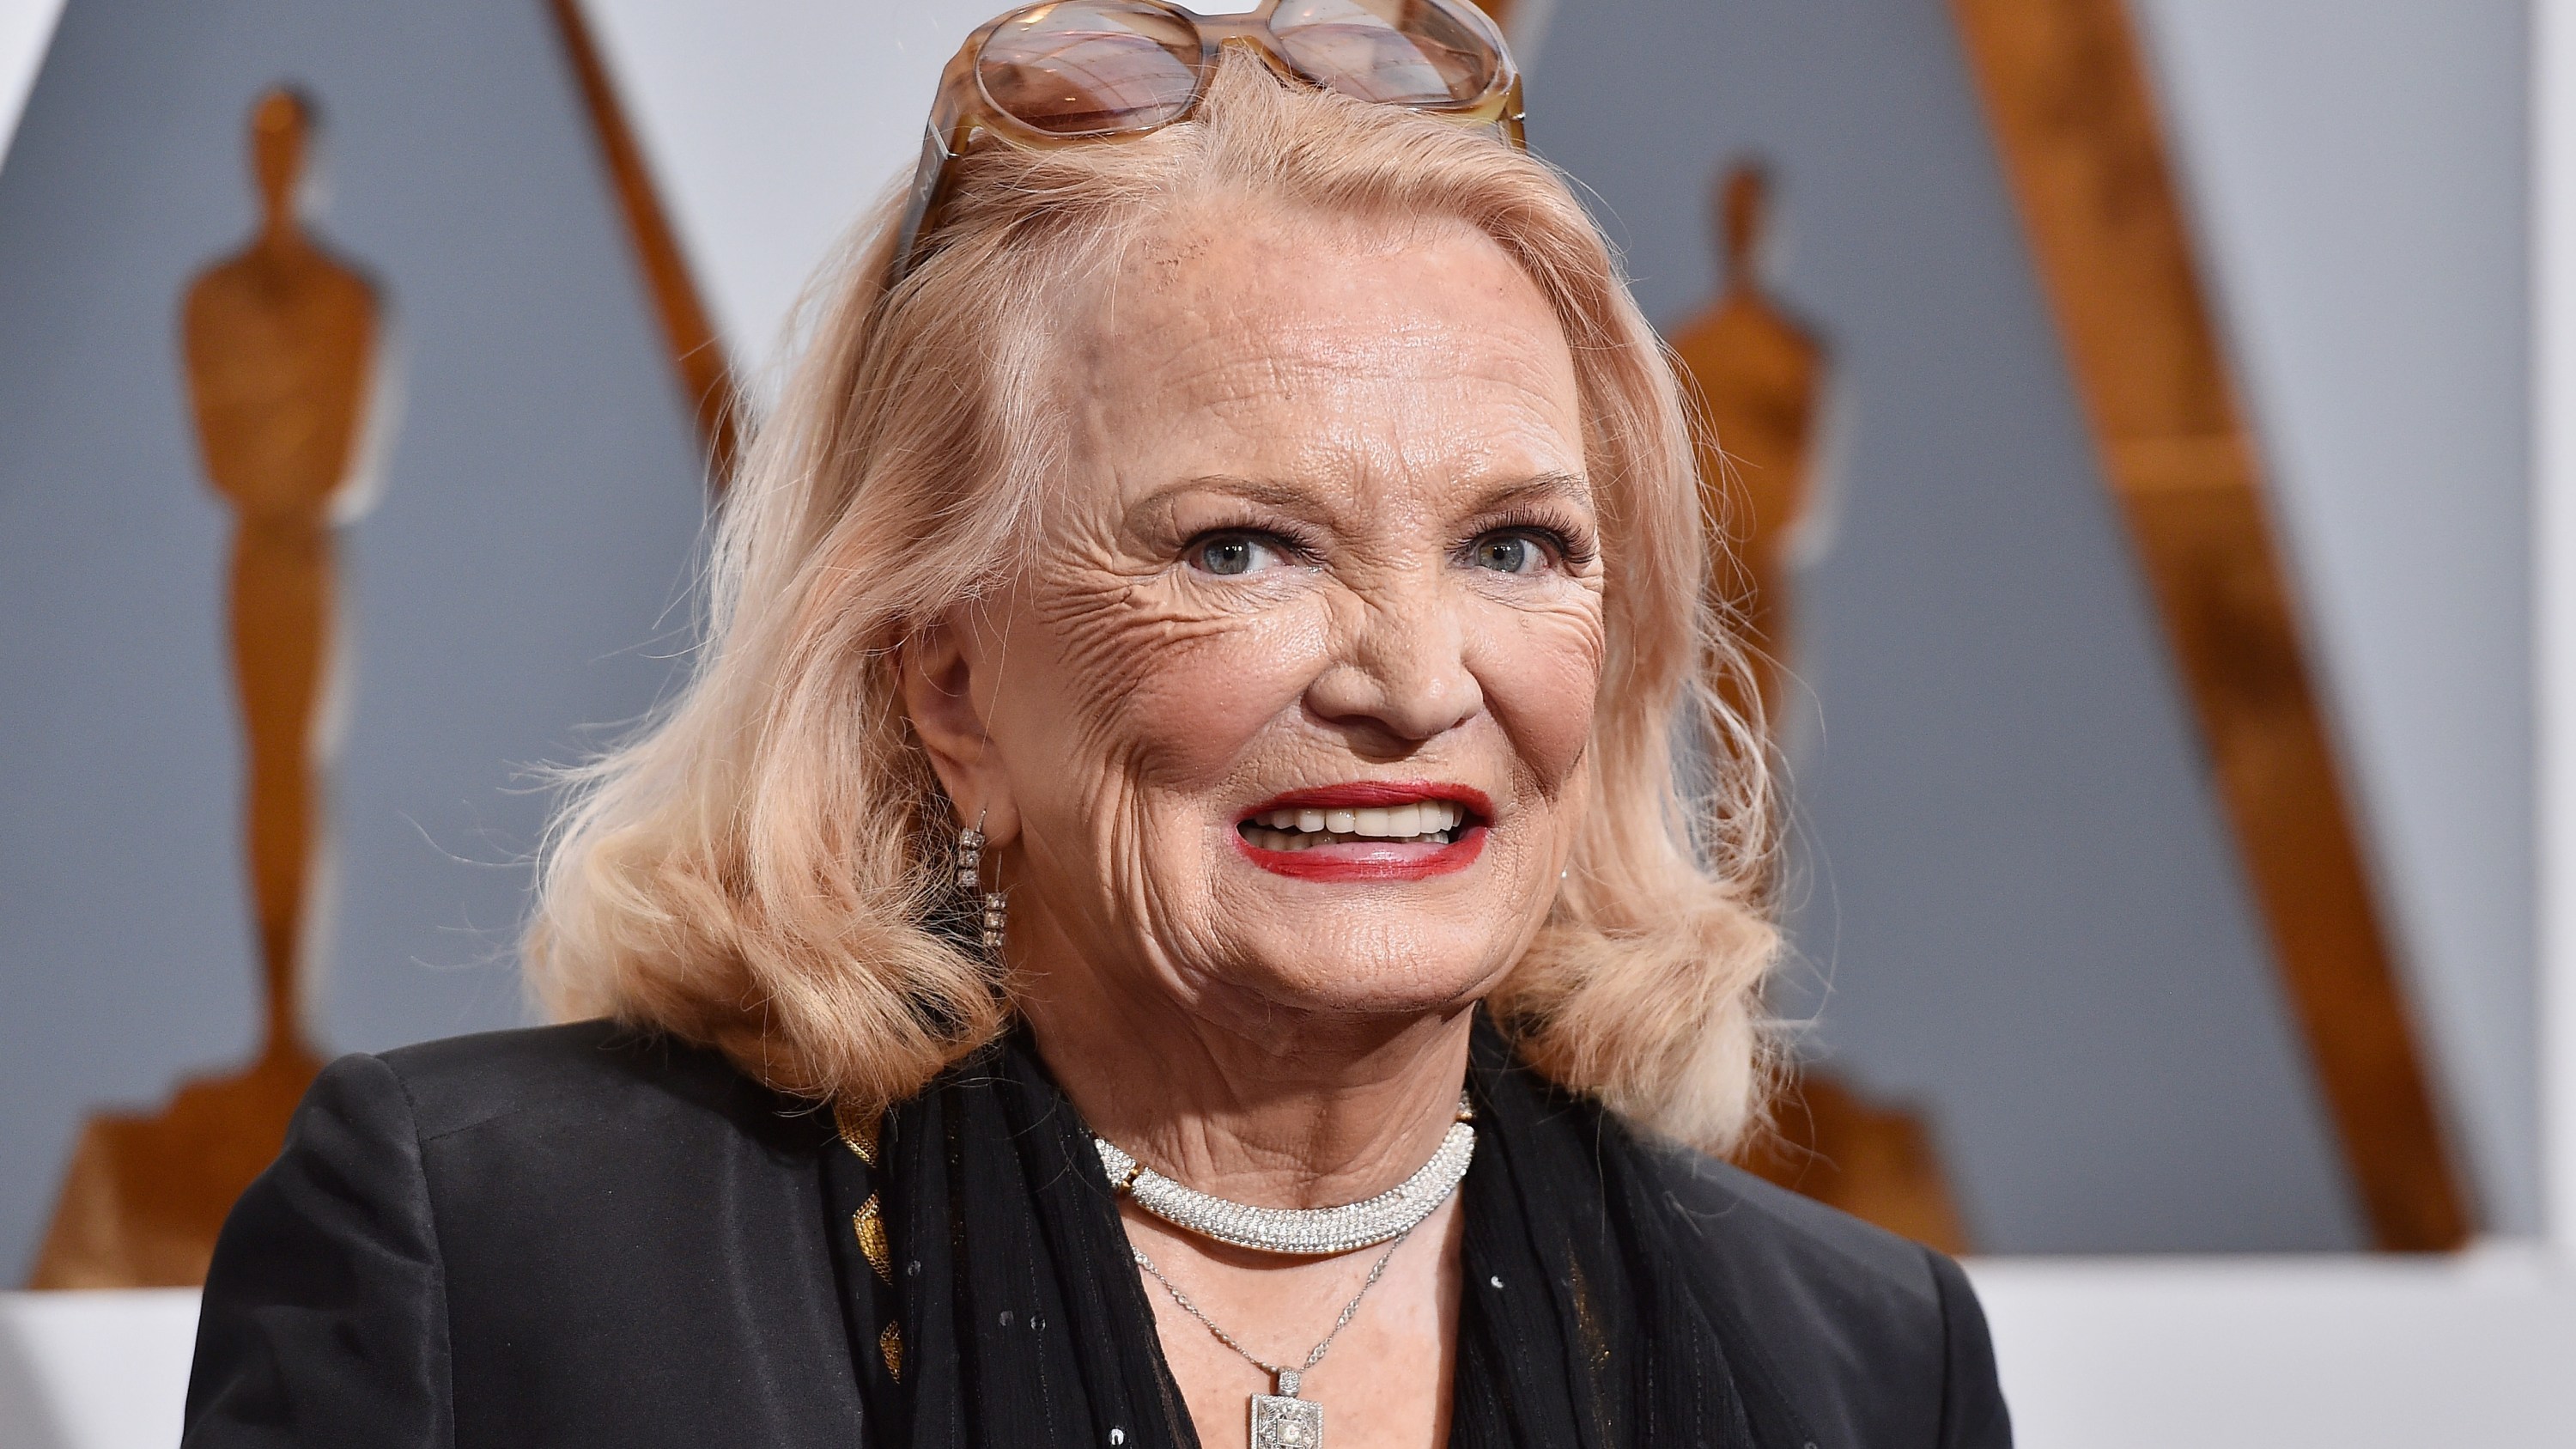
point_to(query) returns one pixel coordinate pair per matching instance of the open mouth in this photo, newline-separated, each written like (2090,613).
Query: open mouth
(1367,831)
(1431,822)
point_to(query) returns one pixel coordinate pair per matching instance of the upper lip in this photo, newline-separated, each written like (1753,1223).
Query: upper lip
(1366,794)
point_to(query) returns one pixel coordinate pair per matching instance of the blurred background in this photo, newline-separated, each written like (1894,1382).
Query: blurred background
(2138,454)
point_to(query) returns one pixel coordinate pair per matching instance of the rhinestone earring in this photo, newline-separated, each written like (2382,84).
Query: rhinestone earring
(970,883)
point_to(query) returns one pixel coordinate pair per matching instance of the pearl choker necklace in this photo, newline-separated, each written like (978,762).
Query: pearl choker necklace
(1309,1231)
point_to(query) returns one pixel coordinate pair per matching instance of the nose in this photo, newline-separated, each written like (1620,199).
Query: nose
(1400,676)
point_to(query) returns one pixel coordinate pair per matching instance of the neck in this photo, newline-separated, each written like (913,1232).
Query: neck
(1242,1098)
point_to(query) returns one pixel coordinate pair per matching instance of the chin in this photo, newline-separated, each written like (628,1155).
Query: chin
(1377,973)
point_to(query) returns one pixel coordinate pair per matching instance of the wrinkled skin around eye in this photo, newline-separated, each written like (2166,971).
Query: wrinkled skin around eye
(1324,519)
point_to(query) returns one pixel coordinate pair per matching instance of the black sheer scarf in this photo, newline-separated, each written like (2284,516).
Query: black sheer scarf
(992,1302)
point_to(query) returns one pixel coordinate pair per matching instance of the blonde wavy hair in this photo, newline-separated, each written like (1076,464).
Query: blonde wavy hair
(765,868)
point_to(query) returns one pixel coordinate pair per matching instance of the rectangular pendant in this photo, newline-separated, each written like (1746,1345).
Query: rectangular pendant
(1285,1423)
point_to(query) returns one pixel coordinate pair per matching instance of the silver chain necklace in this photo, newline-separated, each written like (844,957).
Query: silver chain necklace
(1281,1420)
(1304,1231)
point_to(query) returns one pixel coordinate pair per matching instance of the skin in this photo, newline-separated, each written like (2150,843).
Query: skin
(1324,519)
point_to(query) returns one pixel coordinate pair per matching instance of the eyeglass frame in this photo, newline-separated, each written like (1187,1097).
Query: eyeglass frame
(963,111)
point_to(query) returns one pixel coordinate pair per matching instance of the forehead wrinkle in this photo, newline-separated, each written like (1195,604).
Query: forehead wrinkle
(1406,417)
(1399,447)
(1281,339)
(1260,357)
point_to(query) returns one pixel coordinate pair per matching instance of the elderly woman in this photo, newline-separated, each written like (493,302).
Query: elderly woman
(1169,913)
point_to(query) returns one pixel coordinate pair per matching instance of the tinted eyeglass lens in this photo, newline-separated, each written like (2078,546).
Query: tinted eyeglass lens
(1091,67)
(1401,52)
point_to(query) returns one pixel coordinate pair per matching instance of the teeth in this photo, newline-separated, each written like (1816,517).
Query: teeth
(1424,821)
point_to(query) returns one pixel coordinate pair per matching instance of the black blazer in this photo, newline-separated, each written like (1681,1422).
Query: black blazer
(572,1236)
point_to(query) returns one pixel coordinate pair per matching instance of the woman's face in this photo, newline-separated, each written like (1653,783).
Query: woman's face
(1288,707)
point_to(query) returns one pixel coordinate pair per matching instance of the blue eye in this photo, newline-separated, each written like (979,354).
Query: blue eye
(1508,553)
(1231,554)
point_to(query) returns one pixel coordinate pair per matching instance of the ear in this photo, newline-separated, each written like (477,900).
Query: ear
(937,671)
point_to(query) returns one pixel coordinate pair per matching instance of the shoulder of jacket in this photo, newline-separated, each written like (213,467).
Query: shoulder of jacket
(1846,1322)
(1744,1217)
(586,1075)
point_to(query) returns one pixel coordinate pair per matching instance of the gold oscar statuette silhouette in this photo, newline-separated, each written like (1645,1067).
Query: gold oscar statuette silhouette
(280,347)
(1759,375)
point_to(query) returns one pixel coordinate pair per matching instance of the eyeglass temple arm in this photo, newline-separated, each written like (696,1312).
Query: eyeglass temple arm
(926,179)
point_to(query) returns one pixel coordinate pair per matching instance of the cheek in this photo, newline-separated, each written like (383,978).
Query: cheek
(1160,696)
(1541,675)
(1199,703)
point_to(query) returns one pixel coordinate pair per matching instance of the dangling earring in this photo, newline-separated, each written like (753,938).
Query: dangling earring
(970,883)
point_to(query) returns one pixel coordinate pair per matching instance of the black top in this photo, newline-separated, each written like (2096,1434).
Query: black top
(574,1236)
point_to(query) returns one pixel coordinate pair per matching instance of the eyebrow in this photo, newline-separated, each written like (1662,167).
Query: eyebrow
(1277,494)
(1156,506)
(1572,487)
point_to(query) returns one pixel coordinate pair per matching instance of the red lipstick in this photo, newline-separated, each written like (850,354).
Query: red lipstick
(1373,860)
